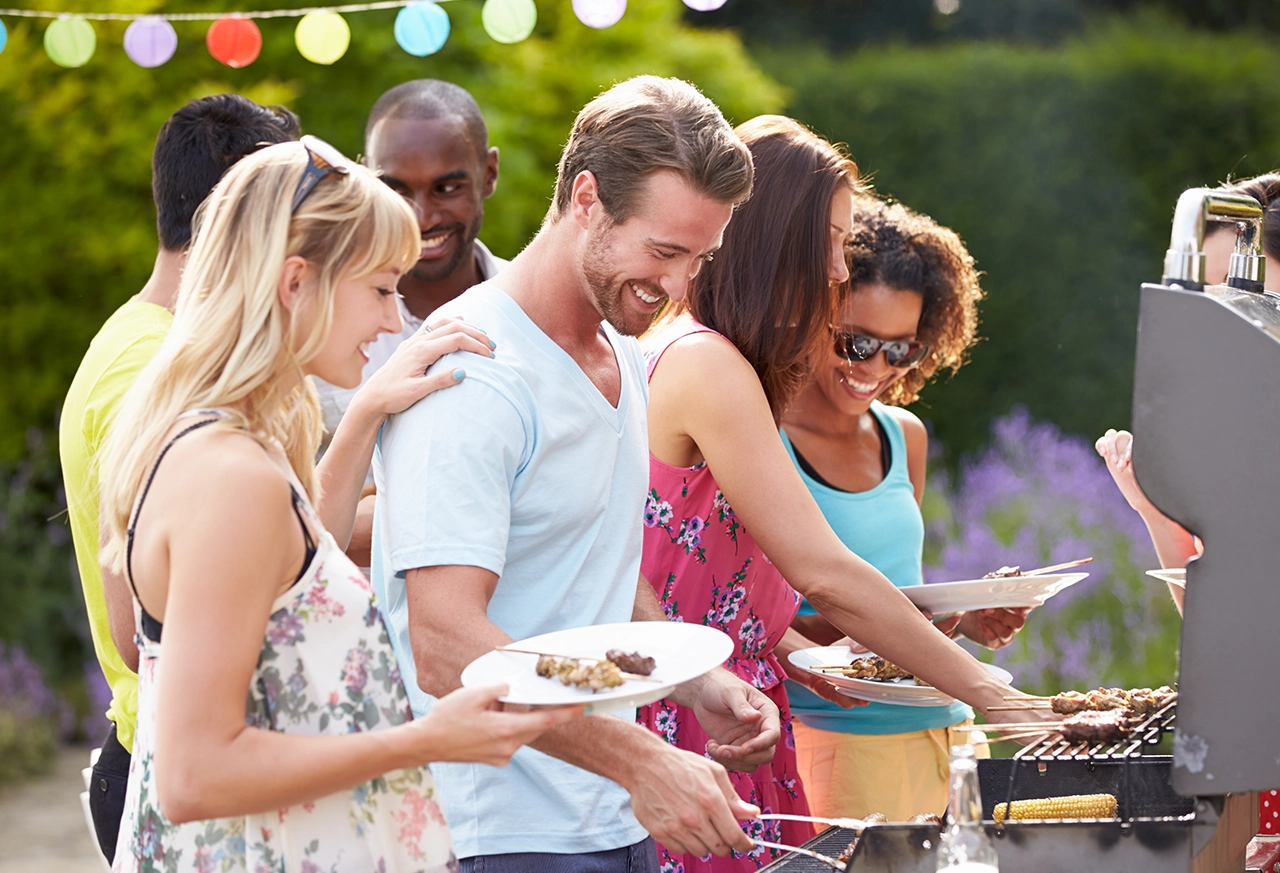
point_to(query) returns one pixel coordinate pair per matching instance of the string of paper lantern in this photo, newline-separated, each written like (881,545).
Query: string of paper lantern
(322,35)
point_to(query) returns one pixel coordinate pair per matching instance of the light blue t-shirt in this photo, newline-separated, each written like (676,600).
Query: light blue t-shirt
(524,469)
(884,527)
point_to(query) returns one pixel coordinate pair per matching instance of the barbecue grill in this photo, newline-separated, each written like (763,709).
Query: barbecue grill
(1206,420)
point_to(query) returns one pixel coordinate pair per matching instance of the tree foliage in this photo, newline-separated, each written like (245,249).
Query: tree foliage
(76,146)
(1059,168)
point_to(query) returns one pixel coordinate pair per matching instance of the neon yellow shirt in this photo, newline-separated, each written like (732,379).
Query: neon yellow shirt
(125,344)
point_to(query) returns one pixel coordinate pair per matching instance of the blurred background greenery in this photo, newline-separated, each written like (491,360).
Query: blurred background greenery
(1053,135)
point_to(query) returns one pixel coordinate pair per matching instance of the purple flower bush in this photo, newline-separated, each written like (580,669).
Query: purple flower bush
(1035,497)
(32,716)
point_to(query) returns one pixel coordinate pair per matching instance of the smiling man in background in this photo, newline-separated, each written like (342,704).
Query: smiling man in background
(428,141)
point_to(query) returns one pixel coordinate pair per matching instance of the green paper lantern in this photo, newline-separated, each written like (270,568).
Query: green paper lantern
(70,42)
(509,20)
(322,37)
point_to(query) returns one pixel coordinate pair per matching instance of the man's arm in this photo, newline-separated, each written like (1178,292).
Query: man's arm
(119,606)
(685,801)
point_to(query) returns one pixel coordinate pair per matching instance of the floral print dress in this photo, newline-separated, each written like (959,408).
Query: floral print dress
(706,568)
(326,668)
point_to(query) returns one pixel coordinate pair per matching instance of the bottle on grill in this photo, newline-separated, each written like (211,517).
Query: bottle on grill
(965,846)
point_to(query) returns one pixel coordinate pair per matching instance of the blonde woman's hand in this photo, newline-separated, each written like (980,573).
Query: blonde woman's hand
(402,381)
(469,725)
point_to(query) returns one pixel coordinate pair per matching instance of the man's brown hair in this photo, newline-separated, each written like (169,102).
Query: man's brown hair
(646,124)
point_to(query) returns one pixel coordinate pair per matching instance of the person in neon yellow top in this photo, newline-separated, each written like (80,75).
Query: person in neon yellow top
(194,148)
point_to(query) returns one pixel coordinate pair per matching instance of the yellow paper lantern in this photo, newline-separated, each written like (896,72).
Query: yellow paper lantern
(322,37)
(509,20)
(70,42)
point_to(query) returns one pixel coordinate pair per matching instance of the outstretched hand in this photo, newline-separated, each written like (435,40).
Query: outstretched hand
(993,628)
(1116,448)
(688,804)
(470,725)
(741,721)
(402,381)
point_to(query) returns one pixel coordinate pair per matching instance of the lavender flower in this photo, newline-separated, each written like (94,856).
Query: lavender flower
(1037,496)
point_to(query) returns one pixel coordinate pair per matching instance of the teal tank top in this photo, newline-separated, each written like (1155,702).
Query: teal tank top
(884,527)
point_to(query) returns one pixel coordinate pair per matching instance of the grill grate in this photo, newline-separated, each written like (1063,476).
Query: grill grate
(1144,734)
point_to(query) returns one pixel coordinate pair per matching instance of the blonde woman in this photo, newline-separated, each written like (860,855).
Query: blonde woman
(274,731)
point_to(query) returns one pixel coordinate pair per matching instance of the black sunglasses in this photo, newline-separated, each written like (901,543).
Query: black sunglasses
(322,159)
(903,354)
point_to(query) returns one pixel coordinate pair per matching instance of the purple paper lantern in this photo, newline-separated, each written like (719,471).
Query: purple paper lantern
(704,5)
(599,13)
(150,41)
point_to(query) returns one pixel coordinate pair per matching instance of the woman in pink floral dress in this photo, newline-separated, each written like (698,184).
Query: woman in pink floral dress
(729,523)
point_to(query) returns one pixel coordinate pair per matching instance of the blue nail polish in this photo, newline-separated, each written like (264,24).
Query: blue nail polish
(458,374)
(492,344)
(492,355)
(482,330)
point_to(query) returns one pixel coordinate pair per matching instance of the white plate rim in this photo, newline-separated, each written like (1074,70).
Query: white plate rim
(1053,584)
(632,693)
(891,693)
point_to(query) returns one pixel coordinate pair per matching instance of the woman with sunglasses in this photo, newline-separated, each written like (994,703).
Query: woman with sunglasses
(908,309)
(729,522)
(274,731)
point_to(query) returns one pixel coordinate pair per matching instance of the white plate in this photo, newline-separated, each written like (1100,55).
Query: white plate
(903,692)
(1005,592)
(1176,576)
(682,651)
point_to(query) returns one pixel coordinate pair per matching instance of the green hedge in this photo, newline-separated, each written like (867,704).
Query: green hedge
(75,146)
(1059,168)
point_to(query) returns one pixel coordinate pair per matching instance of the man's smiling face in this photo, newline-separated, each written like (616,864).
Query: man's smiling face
(437,166)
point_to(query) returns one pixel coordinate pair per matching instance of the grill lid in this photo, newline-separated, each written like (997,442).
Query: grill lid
(1206,420)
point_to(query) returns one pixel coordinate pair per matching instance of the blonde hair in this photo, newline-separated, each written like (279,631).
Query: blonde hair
(232,340)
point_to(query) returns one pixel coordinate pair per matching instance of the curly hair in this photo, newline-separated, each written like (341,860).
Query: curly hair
(907,251)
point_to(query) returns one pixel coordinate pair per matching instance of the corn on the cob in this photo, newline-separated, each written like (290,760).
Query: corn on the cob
(1073,806)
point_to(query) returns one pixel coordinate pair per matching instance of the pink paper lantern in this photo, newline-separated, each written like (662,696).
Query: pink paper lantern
(151,41)
(704,5)
(599,13)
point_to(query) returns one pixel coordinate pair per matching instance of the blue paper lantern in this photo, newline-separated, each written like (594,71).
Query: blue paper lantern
(4,36)
(422,28)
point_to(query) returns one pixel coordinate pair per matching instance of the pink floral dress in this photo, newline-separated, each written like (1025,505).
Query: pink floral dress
(326,668)
(705,567)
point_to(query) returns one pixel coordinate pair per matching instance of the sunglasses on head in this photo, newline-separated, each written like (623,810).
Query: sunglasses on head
(322,159)
(903,354)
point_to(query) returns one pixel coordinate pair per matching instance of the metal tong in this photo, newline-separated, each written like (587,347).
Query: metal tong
(817,856)
(854,824)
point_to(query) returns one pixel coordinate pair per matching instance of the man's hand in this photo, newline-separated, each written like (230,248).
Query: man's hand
(688,804)
(742,722)
(993,628)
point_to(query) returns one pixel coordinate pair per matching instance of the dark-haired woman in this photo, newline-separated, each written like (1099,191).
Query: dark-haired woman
(908,310)
(729,521)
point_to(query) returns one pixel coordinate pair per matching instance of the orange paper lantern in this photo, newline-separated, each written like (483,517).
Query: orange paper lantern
(234,41)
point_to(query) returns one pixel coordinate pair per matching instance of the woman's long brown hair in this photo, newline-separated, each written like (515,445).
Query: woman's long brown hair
(767,289)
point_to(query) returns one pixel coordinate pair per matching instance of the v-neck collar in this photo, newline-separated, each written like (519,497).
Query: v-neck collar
(615,416)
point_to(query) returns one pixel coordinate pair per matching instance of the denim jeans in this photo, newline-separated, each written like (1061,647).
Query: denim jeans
(640,858)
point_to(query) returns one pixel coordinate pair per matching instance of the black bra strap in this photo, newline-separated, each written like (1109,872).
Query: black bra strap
(309,551)
(133,524)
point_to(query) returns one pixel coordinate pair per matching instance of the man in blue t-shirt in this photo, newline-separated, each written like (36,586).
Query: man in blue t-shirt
(512,505)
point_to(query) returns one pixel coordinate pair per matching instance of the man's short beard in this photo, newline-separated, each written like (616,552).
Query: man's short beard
(599,278)
(465,249)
